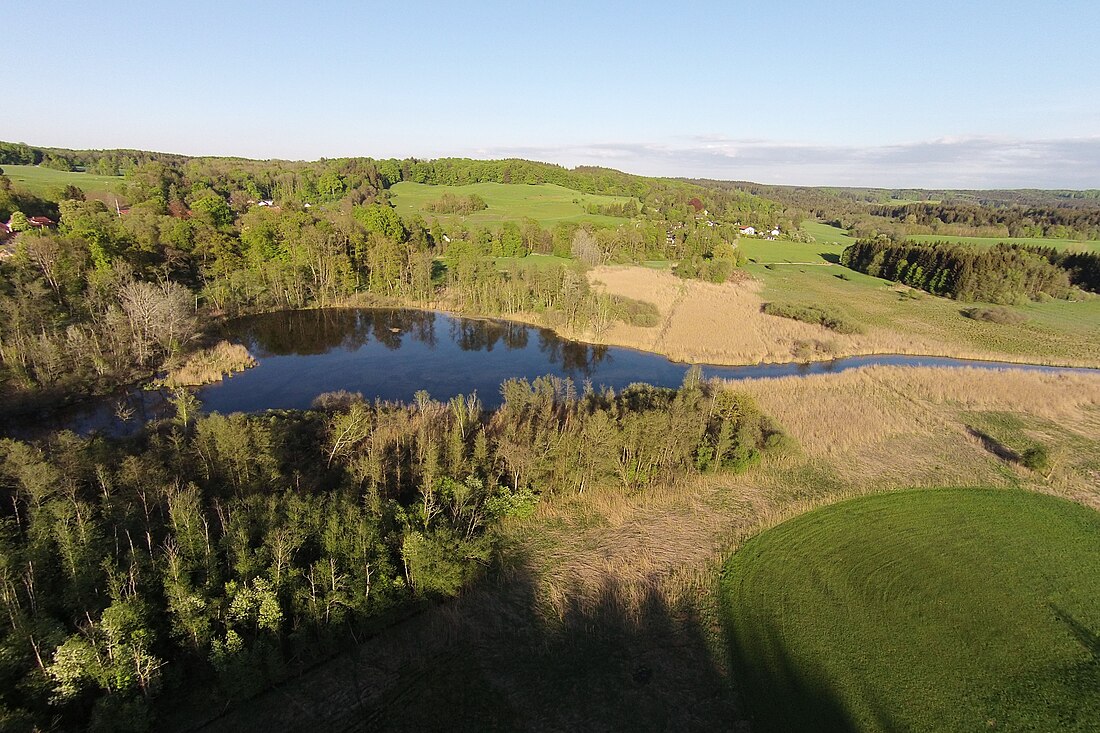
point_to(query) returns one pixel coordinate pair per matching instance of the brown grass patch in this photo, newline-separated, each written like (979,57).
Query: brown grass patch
(723,324)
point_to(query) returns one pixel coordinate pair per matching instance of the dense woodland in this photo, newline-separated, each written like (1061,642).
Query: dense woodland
(1000,274)
(217,554)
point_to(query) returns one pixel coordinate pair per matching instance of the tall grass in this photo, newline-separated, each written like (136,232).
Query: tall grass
(210,365)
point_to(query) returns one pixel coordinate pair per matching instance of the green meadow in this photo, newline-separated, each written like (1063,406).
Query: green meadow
(829,242)
(1057,330)
(45,182)
(1090,246)
(925,610)
(546,203)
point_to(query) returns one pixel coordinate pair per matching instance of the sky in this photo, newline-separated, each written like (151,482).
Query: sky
(961,94)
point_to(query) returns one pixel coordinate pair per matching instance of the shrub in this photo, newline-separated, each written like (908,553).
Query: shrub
(634,312)
(997,314)
(449,203)
(1037,458)
(813,314)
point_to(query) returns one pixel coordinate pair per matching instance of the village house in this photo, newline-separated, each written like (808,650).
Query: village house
(749,231)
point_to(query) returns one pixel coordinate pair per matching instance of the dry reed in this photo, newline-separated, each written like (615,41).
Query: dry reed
(210,365)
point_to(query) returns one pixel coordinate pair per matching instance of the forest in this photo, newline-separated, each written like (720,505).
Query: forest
(214,555)
(1001,274)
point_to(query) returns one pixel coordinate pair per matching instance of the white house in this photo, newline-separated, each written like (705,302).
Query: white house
(750,231)
(775,232)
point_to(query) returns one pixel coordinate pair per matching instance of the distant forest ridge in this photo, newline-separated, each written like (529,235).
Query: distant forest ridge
(117,161)
(899,213)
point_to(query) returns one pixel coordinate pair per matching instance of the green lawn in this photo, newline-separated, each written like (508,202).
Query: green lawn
(44,182)
(953,610)
(546,203)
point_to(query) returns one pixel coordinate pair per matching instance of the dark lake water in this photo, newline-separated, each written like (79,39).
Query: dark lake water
(391,354)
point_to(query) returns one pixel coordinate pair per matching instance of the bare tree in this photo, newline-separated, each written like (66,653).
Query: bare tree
(159,316)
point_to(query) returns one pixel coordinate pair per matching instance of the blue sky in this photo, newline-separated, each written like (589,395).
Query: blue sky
(975,94)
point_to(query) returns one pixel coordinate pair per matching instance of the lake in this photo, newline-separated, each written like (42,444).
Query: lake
(391,354)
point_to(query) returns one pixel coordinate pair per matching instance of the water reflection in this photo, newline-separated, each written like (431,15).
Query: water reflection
(391,354)
(478,335)
(315,332)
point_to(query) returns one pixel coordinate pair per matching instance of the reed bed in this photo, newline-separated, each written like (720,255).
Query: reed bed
(210,365)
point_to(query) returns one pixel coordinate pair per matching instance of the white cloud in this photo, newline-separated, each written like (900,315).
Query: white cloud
(950,162)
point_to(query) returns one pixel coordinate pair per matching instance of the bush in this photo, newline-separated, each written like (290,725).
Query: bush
(997,314)
(1037,458)
(449,203)
(634,312)
(813,314)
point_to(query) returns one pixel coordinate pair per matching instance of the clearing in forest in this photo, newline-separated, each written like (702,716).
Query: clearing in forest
(45,182)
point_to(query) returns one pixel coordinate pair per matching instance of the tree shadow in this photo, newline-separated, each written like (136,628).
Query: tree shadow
(993,445)
(519,653)
(515,654)
(1088,638)
(829,257)
(783,693)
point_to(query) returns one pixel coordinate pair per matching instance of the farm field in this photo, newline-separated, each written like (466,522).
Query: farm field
(946,609)
(546,203)
(42,181)
(613,598)
(1088,246)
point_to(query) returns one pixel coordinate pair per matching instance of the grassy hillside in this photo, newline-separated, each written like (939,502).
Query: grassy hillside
(946,610)
(1056,330)
(45,182)
(1092,246)
(546,203)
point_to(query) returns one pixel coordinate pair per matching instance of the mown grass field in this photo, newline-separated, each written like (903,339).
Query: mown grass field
(1090,246)
(45,182)
(932,610)
(546,203)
